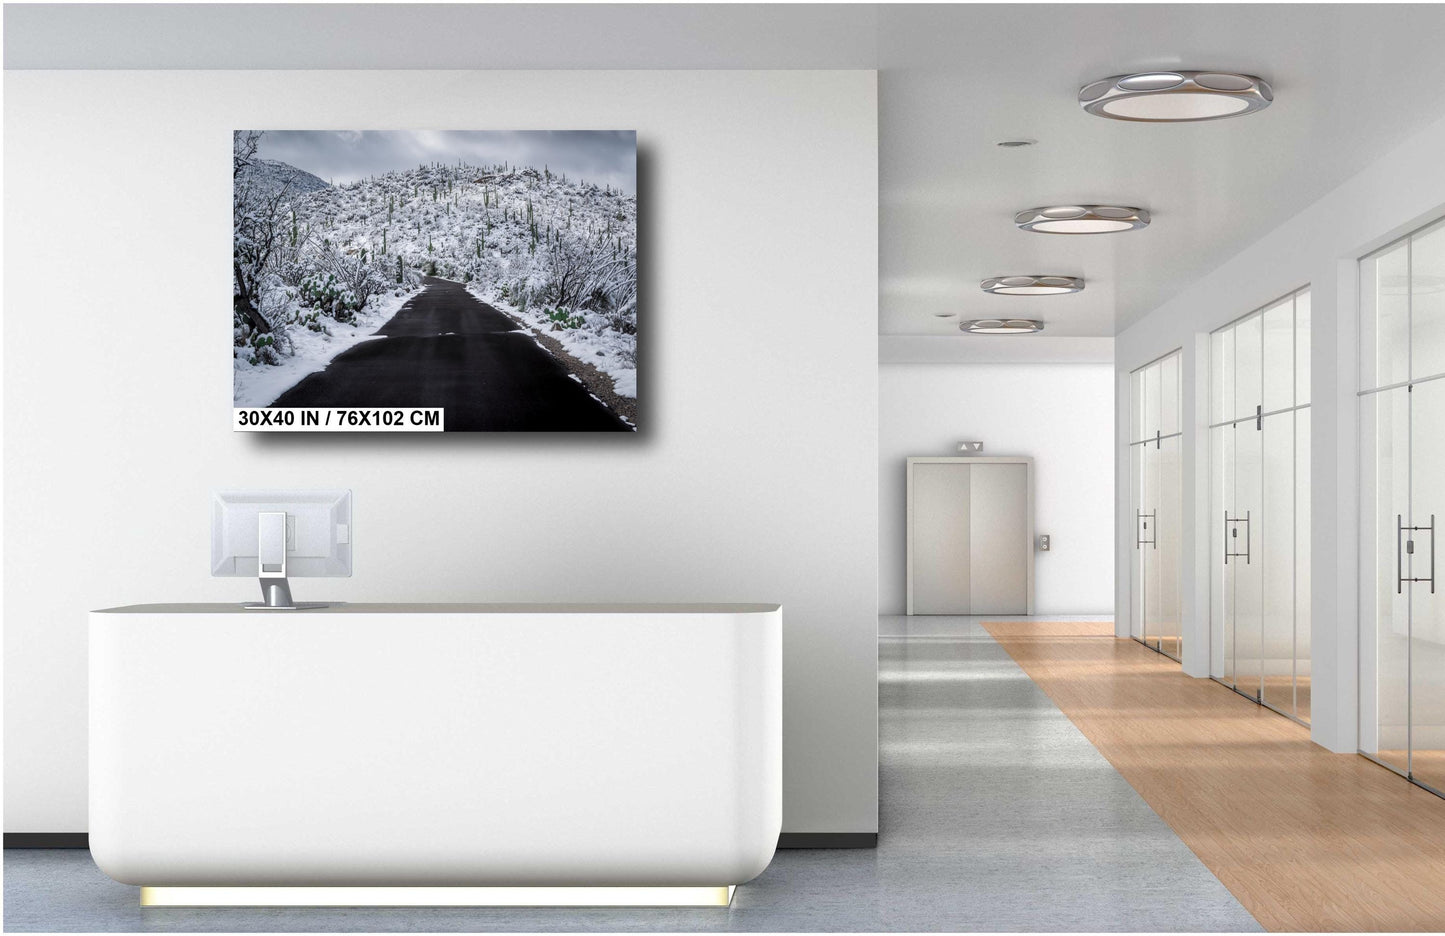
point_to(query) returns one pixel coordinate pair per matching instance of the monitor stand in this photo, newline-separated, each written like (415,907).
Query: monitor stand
(271,564)
(276,596)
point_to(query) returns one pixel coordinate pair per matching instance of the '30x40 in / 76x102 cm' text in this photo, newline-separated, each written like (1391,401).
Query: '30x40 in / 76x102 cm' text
(338,419)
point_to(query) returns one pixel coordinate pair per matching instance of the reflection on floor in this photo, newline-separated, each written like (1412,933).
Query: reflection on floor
(996,814)
(1308,840)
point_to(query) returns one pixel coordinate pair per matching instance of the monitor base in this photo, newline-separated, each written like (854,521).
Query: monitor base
(276,596)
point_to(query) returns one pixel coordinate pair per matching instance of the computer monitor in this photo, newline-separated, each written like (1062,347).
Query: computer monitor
(272,535)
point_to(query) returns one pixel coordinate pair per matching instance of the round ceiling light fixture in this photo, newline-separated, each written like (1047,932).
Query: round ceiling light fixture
(1175,96)
(1033,285)
(1001,326)
(1082,219)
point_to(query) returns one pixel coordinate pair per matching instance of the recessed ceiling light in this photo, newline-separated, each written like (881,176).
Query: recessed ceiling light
(1001,326)
(1015,144)
(1032,285)
(1082,219)
(1174,96)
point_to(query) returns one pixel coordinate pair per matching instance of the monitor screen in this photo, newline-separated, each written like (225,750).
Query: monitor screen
(318,531)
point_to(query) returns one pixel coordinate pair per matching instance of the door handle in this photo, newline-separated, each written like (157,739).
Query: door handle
(1409,548)
(1142,536)
(1231,532)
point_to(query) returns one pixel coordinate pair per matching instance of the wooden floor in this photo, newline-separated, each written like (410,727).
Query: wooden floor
(1306,840)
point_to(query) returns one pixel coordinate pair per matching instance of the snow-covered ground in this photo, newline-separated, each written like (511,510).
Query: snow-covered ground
(260,384)
(610,352)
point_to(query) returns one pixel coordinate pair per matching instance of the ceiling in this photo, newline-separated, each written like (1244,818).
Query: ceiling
(1350,82)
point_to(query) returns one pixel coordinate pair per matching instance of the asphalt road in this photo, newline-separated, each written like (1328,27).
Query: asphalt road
(447,348)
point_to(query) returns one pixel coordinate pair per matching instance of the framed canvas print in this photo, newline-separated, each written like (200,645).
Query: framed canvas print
(456,281)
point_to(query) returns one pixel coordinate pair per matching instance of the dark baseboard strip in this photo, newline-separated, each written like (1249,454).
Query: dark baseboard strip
(828,840)
(786,840)
(47,840)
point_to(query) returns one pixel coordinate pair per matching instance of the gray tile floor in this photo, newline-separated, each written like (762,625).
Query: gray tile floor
(997,815)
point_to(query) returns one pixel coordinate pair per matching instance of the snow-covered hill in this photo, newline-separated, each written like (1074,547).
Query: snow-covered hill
(554,251)
(270,174)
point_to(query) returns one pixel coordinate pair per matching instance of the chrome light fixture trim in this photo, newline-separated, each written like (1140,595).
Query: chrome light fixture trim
(1082,219)
(1001,326)
(1032,285)
(1175,96)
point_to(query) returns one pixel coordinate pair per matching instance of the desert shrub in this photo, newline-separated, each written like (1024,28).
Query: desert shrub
(565,319)
(624,323)
(322,293)
(266,347)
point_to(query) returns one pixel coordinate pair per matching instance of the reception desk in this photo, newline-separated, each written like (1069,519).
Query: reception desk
(434,747)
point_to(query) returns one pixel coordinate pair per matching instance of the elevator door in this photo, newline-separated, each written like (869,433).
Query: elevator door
(970,536)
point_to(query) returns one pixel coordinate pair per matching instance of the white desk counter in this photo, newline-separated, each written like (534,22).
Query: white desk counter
(441,745)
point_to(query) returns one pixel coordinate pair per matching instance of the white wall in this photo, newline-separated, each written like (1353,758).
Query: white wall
(1319,247)
(754,478)
(1061,414)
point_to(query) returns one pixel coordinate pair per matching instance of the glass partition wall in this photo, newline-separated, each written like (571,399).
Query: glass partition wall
(1155,441)
(1259,451)
(1402,503)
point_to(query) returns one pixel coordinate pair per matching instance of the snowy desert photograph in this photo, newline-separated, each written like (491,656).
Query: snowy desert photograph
(489,275)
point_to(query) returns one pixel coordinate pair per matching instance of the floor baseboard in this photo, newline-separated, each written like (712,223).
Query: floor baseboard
(786,840)
(47,840)
(828,840)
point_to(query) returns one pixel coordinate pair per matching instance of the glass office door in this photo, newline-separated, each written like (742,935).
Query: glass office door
(1402,474)
(1259,498)
(1155,445)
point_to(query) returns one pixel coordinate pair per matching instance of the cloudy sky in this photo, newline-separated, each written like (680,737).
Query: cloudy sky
(605,157)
